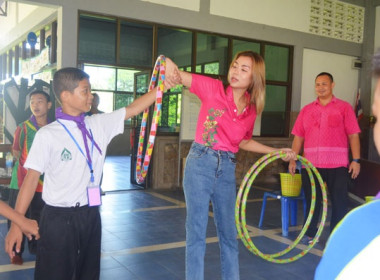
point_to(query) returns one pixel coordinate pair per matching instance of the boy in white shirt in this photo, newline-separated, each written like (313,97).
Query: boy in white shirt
(70,152)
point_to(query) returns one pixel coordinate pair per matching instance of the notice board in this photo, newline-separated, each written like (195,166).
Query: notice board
(190,107)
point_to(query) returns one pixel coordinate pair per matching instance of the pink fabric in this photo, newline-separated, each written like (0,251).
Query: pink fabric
(219,126)
(325,130)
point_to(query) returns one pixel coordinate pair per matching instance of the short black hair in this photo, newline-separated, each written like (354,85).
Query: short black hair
(67,79)
(325,74)
(376,64)
(44,93)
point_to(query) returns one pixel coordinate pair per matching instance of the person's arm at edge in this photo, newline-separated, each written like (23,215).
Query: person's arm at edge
(296,147)
(354,167)
(24,198)
(186,78)
(256,147)
(28,227)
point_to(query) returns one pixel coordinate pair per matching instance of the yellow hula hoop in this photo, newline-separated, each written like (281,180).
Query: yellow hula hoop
(240,207)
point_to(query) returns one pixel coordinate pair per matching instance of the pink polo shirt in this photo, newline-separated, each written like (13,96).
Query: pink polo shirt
(219,126)
(325,130)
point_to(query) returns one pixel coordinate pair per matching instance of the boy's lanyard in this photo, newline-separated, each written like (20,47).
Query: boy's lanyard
(88,158)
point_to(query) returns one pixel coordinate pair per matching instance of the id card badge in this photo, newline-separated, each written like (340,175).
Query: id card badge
(93,195)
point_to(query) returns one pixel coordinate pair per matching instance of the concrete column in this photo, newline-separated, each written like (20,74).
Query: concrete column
(366,57)
(67,49)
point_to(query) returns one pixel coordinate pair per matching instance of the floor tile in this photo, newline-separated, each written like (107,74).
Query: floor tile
(143,236)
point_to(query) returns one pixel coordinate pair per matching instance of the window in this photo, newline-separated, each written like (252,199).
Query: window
(120,67)
(176,44)
(97,39)
(136,42)
(115,86)
(171,113)
(101,78)
(212,49)
(240,45)
(276,63)
(275,117)
(122,100)
(125,79)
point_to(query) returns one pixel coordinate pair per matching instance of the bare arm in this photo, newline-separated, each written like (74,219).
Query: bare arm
(354,167)
(139,105)
(297,144)
(27,191)
(296,147)
(28,227)
(256,147)
(25,196)
(186,77)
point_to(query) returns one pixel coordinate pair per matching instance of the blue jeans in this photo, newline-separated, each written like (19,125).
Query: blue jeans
(210,175)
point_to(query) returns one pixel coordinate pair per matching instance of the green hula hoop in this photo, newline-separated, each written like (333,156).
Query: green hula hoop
(240,209)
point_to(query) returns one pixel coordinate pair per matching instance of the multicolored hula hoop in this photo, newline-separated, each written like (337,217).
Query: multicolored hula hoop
(142,169)
(240,217)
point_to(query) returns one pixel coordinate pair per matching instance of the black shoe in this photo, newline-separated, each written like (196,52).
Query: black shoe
(306,240)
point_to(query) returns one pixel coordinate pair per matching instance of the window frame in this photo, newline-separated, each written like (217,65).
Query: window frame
(156,26)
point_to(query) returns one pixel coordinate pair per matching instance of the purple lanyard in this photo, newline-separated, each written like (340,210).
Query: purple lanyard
(79,120)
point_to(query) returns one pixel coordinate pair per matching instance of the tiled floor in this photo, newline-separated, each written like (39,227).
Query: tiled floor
(144,237)
(116,174)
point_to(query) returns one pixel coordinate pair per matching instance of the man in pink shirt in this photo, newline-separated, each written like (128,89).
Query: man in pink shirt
(326,128)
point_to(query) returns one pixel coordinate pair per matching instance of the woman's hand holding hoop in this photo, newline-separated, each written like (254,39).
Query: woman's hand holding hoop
(173,77)
(289,154)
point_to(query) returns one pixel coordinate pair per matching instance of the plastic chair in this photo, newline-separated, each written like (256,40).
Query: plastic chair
(287,203)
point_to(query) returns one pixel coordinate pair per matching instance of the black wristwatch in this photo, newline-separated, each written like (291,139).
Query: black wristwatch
(357,160)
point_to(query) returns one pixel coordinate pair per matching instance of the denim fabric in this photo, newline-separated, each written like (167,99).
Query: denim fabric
(210,175)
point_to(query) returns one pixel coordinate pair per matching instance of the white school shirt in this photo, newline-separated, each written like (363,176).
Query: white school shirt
(55,154)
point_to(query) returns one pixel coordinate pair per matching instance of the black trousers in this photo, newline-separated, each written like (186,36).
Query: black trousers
(337,180)
(69,247)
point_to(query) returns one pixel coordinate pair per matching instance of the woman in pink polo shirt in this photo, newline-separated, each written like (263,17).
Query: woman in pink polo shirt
(225,124)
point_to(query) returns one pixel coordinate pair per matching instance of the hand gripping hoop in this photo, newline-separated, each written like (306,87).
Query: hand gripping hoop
(142,169)
(240,217)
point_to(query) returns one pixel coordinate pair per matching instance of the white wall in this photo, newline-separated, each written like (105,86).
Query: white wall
(340,66)
(192,5)
(377,29)
(16,13)
(289,14)
(21,19)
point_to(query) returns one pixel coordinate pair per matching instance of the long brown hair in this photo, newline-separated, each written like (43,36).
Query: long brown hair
(257,87)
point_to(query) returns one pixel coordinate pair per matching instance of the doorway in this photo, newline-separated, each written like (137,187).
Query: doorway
(117,88)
